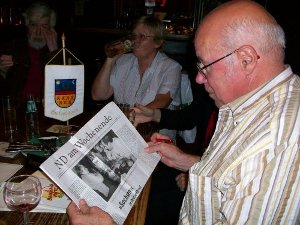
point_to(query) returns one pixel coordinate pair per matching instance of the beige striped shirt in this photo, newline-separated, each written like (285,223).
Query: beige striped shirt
(250,171)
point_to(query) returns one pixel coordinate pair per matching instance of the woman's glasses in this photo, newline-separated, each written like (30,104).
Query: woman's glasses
(141,37)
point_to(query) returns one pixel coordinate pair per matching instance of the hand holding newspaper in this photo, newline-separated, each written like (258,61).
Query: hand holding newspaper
(103,163)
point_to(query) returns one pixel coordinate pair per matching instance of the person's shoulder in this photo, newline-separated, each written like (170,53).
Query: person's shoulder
(296,76)
(163,57)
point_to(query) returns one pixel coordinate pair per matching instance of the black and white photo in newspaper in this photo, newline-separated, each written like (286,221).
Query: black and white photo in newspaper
(103,163)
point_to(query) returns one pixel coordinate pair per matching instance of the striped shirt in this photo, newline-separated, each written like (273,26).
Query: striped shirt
(250,172)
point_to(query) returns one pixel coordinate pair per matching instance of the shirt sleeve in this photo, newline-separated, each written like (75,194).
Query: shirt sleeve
(259,189)
(170,71)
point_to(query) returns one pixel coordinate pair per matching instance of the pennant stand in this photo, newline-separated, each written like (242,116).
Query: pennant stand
(64,86)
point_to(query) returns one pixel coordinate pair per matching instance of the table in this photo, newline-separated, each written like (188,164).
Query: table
(136,216)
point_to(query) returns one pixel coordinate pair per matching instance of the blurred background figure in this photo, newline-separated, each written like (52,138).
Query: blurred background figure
(22,59)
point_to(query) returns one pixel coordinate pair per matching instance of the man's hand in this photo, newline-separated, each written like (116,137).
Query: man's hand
(171,155)
(6,62)
(85,215)
(182,181)
(51,38)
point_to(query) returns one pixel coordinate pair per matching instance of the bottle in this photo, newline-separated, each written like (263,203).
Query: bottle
(120,46)
(32,121)
(150,5)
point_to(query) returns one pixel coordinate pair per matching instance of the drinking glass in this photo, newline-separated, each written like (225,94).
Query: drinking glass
(10,119)
(128,111)
(120,46)
(22,193)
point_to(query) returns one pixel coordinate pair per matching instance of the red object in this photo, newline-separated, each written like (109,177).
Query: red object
(34,83)
(164,140)
(211,125)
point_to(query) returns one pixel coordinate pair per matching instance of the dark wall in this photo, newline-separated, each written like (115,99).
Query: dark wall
(102,12)
(286,13)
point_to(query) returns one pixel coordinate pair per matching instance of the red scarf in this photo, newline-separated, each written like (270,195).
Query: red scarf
(210,127)
(34,83)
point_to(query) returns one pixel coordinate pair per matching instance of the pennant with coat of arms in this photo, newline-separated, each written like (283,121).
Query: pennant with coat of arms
(64,91)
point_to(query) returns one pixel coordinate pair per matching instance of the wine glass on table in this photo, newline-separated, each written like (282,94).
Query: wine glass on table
(22,193)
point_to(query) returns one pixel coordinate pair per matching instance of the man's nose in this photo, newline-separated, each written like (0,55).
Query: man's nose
(38,30)
(200,78)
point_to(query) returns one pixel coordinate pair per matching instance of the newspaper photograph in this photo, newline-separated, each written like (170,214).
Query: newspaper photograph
(103,163)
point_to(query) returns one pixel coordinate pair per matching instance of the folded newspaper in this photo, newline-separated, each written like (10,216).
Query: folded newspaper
(103,163)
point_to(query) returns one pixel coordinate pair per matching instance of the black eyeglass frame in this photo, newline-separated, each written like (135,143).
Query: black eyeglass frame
(200,69)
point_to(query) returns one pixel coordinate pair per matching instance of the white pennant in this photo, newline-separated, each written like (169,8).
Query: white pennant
(64,91)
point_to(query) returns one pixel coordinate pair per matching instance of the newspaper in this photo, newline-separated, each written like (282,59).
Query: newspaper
(103,163)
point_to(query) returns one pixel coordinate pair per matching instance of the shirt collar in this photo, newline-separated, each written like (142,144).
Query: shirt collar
(154,64)
(248,99)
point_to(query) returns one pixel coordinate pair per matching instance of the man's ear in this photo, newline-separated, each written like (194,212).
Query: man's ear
(247,58)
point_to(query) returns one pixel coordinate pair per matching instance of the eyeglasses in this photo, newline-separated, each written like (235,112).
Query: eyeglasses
(35,25)
(141,37)
(203,68)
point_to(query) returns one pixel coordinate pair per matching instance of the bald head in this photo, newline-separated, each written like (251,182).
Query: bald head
(253,41)
(240,22)
(241,8)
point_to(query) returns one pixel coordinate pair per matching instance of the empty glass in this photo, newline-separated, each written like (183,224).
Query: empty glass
(10,119)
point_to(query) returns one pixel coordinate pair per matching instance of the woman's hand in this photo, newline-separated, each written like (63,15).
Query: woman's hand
(142,114)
